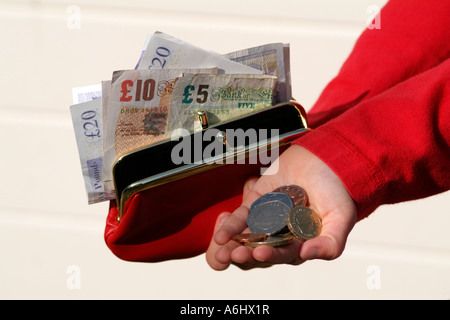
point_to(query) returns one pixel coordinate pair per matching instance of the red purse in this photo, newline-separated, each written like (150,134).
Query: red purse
(165,210)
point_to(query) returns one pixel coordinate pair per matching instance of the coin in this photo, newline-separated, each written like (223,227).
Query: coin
(274,241)
(296,193)
(269,217)
(304,223)
(249,237)
(273,196)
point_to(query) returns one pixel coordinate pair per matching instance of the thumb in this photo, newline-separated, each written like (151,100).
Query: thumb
(248,186)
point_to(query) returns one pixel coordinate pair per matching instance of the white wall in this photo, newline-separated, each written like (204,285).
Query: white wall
(46,226)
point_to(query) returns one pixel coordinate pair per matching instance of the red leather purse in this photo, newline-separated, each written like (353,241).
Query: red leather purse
(165,210)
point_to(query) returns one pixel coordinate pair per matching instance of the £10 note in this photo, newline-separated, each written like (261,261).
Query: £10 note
(135,111)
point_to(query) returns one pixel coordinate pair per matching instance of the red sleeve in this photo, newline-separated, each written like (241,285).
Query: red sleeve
(383,123)
(414,37)
(392,147)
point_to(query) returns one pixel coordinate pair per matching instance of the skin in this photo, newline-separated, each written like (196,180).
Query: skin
(327,196)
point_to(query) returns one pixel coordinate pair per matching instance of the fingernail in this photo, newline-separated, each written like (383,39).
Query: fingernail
(222,218)
(250,183)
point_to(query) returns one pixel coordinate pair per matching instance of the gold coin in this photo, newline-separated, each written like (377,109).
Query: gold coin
(273,241)
(304,223)
(244,238)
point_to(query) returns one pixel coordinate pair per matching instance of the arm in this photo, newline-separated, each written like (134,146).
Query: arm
(379,138)
(413,38)
(393,147)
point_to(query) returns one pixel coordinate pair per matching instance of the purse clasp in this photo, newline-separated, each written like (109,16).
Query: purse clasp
(203,118)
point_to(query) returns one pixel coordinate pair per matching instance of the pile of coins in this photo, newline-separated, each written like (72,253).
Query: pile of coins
(279,216)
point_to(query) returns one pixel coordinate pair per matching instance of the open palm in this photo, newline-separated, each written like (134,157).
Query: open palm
(327,196)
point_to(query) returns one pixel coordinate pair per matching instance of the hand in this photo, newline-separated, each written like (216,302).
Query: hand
(327,196)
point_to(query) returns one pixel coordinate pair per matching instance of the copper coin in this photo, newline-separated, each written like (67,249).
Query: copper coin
(304,223)
(273,241)
(249,237)
(296,193)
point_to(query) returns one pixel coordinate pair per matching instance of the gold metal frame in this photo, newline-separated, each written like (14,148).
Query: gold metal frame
(211,163)
(195,168)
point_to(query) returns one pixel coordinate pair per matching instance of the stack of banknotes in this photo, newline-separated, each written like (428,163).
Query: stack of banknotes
(170,83)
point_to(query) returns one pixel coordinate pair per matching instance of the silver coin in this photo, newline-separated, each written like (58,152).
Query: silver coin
(268,217)
(273,196)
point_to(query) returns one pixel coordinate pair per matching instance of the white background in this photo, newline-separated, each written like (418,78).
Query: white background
(49,236)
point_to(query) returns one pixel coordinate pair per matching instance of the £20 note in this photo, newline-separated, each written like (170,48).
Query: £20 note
(87,124)
(272,59)
(167,52)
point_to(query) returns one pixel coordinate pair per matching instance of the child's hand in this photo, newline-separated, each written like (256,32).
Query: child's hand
(327,196)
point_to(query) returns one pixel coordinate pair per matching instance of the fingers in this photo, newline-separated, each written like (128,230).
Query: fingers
(233,225)
(237,222)
(211,259)
(279,255)
(265,256)
(336,227)
(328,197)
(323,247)
(248,186)
(329,245)
(227,225)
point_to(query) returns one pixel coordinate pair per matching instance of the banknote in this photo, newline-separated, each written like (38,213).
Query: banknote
(135,111)
(172,80)
(147,40)
(165,52)
(108,184)
(86,93)
(272,59)
(223,97)
(88,127)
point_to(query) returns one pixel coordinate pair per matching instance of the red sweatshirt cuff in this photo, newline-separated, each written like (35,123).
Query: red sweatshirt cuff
(335,150)
(393,147)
